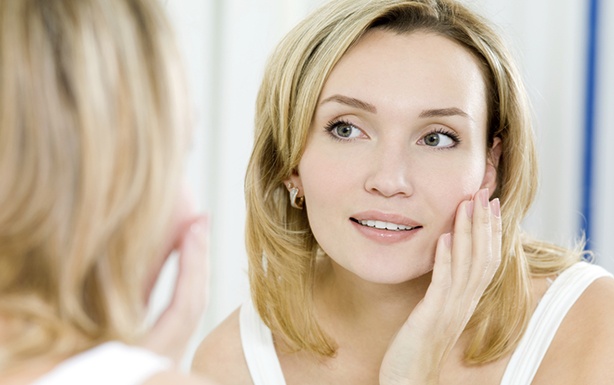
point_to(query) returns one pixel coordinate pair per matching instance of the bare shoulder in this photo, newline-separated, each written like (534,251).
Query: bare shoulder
(220,354)
(177,378)
(583,348)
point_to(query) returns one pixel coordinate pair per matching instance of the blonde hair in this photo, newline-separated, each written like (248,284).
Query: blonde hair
(281,247)
(93,124)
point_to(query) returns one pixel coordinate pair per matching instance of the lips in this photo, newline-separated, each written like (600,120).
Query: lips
(383,225)
(388,222)
(384,228)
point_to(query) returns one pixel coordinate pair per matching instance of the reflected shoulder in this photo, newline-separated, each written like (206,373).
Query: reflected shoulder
(177,378)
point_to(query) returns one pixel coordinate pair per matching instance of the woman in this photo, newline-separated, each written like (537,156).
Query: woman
(93,131)
(387,133)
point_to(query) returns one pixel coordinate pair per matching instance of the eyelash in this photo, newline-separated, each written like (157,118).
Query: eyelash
(330,126)
(451,134)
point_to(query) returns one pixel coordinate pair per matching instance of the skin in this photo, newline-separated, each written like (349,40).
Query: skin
(188,237)
(171,333)
(386,171)
(375,145)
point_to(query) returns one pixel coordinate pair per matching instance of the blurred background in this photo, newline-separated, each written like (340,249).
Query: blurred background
(565,49)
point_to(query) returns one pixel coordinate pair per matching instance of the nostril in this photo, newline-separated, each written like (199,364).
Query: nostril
(389,177)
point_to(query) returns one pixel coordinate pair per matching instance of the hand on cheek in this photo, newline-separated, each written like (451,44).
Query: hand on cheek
(183,215)
(465,263)
(172,331)
(189,237)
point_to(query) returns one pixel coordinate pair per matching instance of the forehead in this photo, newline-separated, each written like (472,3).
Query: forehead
(418,68)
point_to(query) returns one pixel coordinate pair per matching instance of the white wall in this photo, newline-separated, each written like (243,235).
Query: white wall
(226,43)
(550,39)
(547,38)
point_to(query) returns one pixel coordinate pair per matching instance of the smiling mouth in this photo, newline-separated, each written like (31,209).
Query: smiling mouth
(381,225)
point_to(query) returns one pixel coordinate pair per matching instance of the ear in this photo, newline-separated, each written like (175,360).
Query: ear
(294,181)
(492,165)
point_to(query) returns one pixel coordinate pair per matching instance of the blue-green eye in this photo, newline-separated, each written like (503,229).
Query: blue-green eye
(440,139)
(343,130)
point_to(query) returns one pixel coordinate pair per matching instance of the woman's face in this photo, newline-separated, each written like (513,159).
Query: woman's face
(398,140)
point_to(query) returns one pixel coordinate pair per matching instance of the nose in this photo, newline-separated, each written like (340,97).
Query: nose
(390,171)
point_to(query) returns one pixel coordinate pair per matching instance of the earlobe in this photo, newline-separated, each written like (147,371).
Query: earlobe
(294,181)
(492,165)
(295,189)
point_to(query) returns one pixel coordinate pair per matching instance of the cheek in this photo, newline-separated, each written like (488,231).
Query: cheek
(458,178)
(325,177)
(186,205)
(452,188)
(183,214)
(184,211)
(327,183)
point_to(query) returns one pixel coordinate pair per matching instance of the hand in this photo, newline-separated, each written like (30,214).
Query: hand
(465,264)
(172,331)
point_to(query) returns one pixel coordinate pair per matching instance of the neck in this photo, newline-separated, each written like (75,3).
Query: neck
(347,303)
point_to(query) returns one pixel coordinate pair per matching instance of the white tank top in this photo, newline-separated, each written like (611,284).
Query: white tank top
(265,369)
(109,363)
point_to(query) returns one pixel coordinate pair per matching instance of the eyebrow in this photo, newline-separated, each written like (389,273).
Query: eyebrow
(431,113)
(352,102)
(442,112)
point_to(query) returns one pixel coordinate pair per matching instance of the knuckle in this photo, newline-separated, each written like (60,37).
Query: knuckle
(467,230)
(484,219)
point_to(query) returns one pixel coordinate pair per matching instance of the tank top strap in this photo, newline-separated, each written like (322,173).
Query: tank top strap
(258,348)
(548,316)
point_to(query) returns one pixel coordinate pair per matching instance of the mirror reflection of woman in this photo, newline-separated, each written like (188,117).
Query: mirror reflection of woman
(94,127)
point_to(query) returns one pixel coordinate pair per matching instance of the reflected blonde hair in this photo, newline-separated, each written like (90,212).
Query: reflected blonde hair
(93,126)
(281,247)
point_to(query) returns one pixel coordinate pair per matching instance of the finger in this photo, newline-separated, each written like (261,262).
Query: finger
(441,280)
(429,309)
(190,294)
(175,326)
(495,258)
(482,241)
(462,247)
(495,208)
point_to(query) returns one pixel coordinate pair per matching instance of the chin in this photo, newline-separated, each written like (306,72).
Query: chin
(395,275)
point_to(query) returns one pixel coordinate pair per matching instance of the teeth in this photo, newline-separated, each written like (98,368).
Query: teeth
(385,225)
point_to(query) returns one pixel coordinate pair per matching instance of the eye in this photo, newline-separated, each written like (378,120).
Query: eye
(343,130)
(440,139)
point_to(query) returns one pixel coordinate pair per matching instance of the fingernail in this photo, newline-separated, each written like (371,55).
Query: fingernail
(483,197)
(495,206)
(469,207)
(200,226)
